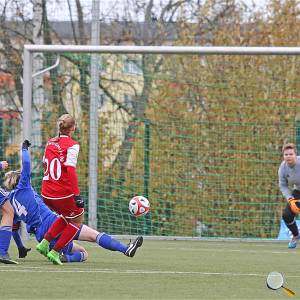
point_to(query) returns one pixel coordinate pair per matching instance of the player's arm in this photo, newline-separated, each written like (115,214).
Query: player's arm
(18,240)
(283,183)
(72,175)
(74,181)
(25,174)
(71,162)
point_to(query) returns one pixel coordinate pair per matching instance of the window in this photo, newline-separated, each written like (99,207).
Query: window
(128,101)
(103,63)
(133,67)
(101,101)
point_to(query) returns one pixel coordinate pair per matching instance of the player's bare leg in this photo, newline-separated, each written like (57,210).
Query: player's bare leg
(107,242)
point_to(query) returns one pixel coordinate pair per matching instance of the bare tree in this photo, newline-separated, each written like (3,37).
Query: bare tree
(144,23)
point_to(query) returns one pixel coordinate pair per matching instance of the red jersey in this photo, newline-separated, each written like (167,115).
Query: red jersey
(60,155)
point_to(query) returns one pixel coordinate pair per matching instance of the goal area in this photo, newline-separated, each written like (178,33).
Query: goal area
(196,130)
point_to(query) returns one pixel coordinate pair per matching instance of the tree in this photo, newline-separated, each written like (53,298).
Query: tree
(155,28)
(201,99)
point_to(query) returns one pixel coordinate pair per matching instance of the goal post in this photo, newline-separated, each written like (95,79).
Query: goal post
(218,108)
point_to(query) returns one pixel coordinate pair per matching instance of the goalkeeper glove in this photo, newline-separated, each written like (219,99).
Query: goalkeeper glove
(294,205)
(26,144)
(23,252)
(79,201)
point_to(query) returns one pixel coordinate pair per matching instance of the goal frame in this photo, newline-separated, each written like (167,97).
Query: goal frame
(29,50)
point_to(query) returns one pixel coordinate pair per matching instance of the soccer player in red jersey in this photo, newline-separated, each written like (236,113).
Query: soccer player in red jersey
(60,189)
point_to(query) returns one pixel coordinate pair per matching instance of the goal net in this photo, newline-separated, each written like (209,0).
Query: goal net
(198,134)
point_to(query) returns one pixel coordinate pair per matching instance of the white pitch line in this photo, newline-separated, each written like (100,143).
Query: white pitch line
(115,271)
(231,250)
(223,250)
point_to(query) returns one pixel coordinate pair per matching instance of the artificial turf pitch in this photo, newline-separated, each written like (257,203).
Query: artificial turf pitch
(160,270)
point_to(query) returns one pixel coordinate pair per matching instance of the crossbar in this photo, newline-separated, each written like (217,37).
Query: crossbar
(166,49)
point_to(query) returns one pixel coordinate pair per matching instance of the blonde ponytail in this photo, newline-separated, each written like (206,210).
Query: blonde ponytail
(65,123)
(11,179)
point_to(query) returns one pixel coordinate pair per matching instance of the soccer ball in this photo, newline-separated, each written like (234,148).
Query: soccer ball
(139,206)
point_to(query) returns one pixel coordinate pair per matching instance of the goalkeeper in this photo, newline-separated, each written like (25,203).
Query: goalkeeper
(289,176)
(29,208)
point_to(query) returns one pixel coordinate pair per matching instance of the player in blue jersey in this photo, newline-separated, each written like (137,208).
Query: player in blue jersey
(6,223)
(74,252)
(30,209)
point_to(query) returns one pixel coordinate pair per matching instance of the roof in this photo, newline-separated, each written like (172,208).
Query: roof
(113,31)
(7,114)
(119,30)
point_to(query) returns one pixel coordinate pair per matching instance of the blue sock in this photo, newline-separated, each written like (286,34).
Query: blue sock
(106,241)
(17,238)
(75,257)
(5,236)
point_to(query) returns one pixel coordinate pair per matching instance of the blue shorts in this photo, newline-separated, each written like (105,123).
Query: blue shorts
(3,200)
(3,197)
(44,227)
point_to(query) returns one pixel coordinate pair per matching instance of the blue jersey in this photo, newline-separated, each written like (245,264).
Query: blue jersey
(22,197)
(47,216)
(29,207)
(3,193)
(3,196)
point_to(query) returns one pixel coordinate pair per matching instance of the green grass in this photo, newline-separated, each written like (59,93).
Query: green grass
(160,270)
